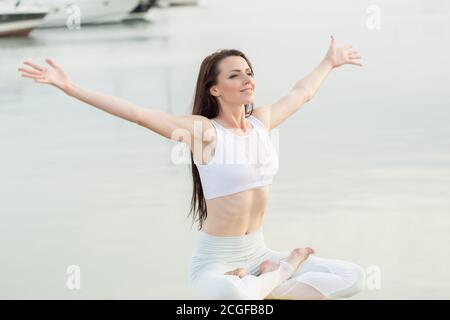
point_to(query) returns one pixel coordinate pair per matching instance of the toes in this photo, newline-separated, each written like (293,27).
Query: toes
(232,272)
(264,265)
(239,272)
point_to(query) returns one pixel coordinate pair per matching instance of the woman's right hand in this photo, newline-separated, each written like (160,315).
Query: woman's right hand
(53,75)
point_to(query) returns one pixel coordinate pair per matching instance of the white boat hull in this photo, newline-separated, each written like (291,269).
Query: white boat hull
(90,11)
(19,20)
(18,28)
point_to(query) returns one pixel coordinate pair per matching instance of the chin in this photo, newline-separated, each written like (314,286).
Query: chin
(247,101)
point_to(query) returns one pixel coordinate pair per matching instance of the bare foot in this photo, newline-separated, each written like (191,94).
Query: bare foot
(297,256)
(268,266)
(240,272)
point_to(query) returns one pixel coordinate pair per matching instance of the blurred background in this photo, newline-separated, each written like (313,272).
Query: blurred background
(364,166)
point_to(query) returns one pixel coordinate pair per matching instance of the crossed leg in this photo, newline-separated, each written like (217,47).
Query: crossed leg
(307,291)
(265,266)
(212,283)
(318,278)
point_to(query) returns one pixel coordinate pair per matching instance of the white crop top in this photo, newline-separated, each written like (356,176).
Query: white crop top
(240,162)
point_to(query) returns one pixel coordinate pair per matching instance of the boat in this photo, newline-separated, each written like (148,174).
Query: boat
(63,12)
(139,12)
(18,20)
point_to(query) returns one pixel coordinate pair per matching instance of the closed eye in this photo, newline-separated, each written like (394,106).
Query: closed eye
(250,74)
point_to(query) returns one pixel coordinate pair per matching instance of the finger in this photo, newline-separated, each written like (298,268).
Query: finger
(31,71)
(34,73)
(353,52)
(34,66)
(348,45)
(31,76)
(41,81)
(355,57)
(355,63)
(333,41)
(52,63)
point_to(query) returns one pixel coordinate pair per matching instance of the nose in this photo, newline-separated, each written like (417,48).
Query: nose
(248,79)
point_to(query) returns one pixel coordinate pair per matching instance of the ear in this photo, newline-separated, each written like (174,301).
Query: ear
(213,90)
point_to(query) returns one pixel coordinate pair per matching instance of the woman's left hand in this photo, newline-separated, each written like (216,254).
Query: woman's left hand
(340,56)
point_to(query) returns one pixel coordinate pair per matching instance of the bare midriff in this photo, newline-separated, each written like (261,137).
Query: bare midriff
(236,214)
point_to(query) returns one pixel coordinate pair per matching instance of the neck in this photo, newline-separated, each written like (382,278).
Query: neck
(233,117)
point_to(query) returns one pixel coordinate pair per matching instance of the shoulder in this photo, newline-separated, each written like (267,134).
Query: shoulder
(205,125)
(201,130)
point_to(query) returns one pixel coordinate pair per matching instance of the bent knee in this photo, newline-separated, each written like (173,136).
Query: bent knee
(360,279)
(356,283)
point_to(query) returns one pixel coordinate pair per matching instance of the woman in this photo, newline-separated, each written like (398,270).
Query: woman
(231,260)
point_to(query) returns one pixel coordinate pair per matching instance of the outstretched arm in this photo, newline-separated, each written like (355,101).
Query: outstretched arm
(55,75)
(303,91)
(158,121)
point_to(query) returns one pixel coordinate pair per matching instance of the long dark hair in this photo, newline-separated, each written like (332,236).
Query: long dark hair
(206,105)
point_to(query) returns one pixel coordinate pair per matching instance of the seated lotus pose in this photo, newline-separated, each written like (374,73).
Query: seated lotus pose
(233,162)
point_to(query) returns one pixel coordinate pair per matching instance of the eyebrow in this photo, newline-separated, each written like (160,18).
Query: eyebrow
(240,70)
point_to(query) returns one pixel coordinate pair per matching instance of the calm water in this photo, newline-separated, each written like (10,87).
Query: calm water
(364,167)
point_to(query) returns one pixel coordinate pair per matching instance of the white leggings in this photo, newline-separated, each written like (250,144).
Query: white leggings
(316,278)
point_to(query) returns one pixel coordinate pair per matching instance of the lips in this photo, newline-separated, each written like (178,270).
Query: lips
(247,89)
